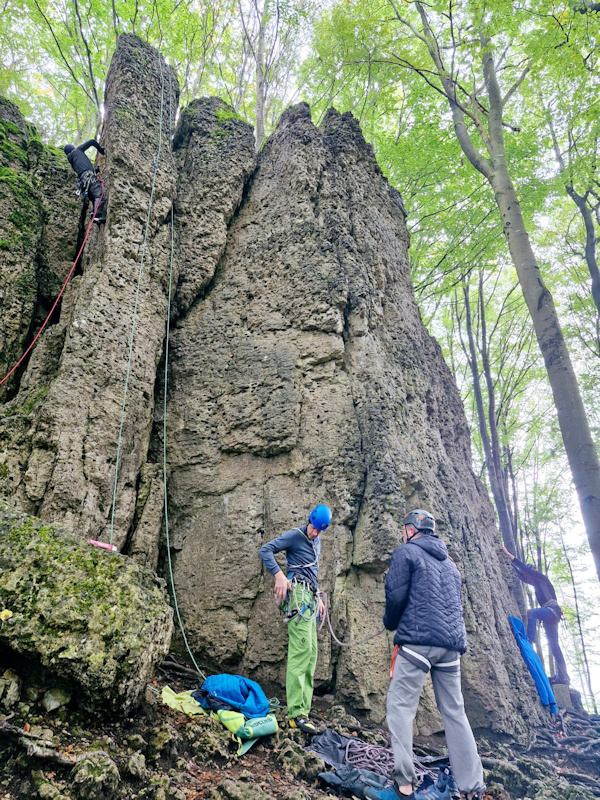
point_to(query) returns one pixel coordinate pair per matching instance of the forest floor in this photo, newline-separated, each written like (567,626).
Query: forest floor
(161,754)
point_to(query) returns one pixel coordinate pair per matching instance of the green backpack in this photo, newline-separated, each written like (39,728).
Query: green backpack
(246,732)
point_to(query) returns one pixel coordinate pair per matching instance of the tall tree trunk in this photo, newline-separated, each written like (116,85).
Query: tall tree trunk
(576,434)
(491,460)
(590,242)
(260,82)
(575,430)
(588,677)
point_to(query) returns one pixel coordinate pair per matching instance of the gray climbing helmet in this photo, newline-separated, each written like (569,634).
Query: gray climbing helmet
(422,520)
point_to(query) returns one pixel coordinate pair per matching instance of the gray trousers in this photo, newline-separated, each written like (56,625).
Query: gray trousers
(402,701)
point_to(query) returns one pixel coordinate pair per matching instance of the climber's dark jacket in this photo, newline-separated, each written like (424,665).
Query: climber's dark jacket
(78,159)
(544,591)
(423,597)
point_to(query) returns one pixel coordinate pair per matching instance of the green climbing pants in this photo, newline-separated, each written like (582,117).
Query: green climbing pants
(302,652)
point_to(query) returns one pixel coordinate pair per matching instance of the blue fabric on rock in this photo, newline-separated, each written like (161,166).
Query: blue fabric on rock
(534,665)
(236,691)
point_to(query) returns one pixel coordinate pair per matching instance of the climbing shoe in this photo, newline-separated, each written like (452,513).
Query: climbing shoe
(440,790)
(390,793)
(304,724)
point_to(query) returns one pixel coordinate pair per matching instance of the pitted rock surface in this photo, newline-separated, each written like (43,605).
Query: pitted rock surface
(75,441)
(305,375)
(299,372)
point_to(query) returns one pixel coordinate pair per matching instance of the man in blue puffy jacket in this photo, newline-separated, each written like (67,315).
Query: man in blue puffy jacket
(423,604)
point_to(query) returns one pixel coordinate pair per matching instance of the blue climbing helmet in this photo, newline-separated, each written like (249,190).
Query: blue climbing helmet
(68,148)
(320,517)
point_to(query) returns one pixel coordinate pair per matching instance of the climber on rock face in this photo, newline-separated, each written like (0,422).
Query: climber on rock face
(549,613)
(423,604)
(296,591)
(86,172)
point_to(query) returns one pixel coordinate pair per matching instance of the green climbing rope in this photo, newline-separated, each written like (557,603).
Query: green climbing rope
(137,297)
(196,667)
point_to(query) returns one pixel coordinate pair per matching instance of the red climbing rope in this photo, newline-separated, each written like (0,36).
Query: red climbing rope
(64,286)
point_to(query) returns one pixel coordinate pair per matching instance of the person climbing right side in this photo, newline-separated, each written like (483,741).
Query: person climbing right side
(423,605)
(549,613)
(86,172)
(297,592)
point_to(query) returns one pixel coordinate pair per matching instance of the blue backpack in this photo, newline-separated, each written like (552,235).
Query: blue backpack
(233,692)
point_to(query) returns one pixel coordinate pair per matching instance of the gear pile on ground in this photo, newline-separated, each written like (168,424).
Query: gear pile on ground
(50,750)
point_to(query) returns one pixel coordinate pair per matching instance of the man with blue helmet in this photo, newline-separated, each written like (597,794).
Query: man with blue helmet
(296,590)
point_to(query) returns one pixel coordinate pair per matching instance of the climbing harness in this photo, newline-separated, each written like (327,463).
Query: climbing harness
(295,611)
(60,294)
(84,181)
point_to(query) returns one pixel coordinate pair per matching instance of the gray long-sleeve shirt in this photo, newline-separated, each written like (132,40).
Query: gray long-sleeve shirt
(300,552)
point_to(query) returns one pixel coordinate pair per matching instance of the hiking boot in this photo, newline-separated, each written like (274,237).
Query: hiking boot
(440,790)
(304,724)
(389,793)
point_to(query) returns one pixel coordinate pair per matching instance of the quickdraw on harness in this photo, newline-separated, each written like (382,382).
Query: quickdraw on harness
(84,182)
(297,610)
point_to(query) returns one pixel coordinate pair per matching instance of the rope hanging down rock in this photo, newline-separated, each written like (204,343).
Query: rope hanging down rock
(60,294)
(313,613)
(323,596)
(137,297)
(179,620)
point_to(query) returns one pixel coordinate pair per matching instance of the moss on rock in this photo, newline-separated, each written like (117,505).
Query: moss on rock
(95,777)
(88,616)
(236,790)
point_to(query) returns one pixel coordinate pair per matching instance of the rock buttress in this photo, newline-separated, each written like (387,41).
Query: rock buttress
(77,428)
(304,375)
(300,373)
(39,221)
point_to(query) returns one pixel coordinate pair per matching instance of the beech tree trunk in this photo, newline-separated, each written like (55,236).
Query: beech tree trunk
(492,459)
(260,84)
(572,418)
(491,448)
(577,438)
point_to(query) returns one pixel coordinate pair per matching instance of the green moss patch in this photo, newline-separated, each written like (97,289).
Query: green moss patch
(91,617)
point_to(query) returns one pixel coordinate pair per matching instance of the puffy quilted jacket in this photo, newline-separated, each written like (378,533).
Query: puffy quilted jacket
(423,598)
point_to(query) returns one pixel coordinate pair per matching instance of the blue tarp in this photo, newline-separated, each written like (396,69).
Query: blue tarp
(534,665)
(240,693)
